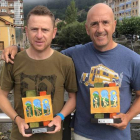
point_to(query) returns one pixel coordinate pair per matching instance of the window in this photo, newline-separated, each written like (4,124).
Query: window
(3,10)
(12,11)
(11,5)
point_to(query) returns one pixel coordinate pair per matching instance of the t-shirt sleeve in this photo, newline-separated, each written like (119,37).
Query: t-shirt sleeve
(6,77)
(68,51)
(70,82)
(135,81)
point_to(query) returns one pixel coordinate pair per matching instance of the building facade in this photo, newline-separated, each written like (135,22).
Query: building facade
(15,9)
(124,8)
(7,31)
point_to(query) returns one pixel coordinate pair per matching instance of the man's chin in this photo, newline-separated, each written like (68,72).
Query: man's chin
(100,46)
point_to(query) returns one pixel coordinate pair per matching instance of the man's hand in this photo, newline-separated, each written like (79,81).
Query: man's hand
(57,122)
(9,54)
(123,124)
(22,126)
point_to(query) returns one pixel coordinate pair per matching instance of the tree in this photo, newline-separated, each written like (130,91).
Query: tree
(71,13)
(117,29)
(82,17)
(73,34)
(60,25)
(129,26)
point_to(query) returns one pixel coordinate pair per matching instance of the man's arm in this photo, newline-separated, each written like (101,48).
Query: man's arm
(67,109)
(132,112)
(9,53)
(6,107)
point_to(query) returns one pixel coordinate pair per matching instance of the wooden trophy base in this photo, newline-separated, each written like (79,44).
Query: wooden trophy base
(105,120)
(39,129)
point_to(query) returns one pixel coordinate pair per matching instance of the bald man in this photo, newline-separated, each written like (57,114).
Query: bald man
(100,25)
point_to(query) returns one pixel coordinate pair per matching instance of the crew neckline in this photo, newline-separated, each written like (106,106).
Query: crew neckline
(104,52)
(40,59)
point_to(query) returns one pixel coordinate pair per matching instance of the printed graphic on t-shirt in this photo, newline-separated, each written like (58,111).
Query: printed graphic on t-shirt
(37,83)
(101,74)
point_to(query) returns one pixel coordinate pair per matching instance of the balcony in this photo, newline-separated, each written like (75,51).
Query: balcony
(128,10)
(121,11)
(120,18)
(121,4)
(128,2)
(128,16)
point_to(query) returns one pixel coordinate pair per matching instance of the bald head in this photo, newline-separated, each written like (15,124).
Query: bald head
(100,26)
(99,10)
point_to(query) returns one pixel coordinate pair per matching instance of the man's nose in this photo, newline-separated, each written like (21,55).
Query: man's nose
(39,34)
(100,28)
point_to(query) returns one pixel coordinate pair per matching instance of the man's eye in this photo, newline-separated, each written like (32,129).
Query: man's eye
(105,22)
(44,30)
(34,29)
(93,24)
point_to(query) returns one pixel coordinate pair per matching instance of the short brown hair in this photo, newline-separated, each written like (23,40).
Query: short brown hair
(41,11)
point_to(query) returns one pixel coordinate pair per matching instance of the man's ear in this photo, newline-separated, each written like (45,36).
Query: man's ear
(86,26)
(54,32)
(26,30)
(115,23)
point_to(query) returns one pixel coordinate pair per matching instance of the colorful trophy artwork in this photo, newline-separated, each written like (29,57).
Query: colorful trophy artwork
(105,103)
(37,109)
(104,86)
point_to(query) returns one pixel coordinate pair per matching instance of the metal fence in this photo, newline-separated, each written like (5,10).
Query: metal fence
(5,119)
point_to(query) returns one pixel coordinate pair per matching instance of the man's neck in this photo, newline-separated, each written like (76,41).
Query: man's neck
(39,55)
(106,48)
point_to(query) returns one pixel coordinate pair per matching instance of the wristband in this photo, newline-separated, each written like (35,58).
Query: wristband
(18,48)
(61,116)
(15,118)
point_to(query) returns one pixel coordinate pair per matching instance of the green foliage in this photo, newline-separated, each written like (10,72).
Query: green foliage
(82,17)
(73,34)
(60,25)
(117,32)
(71,13)
(59,13)
(129,26)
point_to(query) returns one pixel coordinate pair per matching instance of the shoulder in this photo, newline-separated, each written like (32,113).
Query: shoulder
(128,55)
(128,52)
(76,49)
(20,55)
(62,58)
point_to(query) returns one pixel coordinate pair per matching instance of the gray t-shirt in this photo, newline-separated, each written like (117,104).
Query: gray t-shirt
(122,61)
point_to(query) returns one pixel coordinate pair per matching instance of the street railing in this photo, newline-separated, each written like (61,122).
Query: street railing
(5,119)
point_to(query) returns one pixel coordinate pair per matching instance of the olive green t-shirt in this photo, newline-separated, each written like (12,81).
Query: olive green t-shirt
(54,75)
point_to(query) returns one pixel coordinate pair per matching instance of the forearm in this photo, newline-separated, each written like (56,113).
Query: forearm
(6,106)
(134,109)
(70,105)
